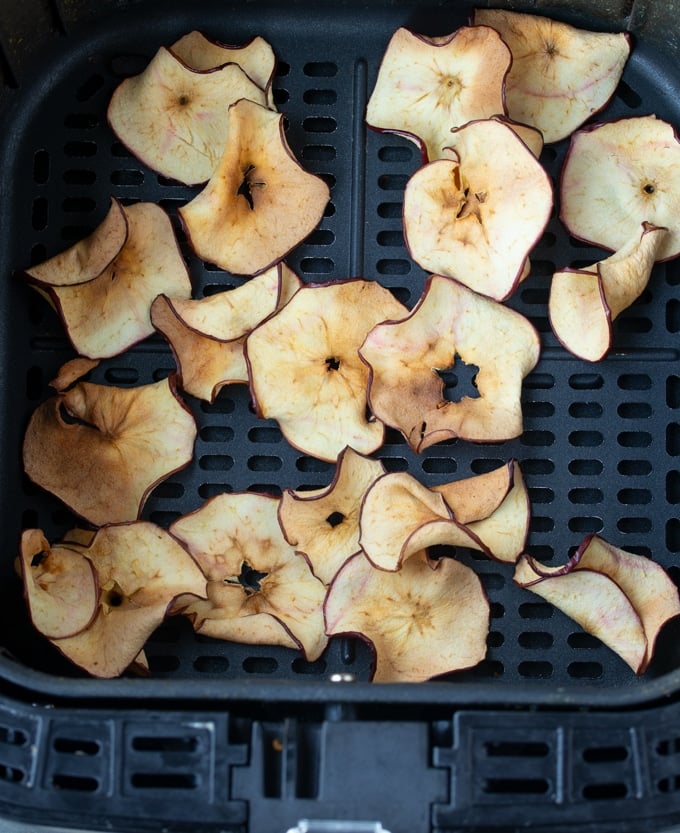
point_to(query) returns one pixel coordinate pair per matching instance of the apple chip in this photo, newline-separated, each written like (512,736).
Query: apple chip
(306,372)
(323,524)
(618,175)
(174,117)
(140,569)
(102,449)
(208,335)
(560,75)
(476,216)
(103,286)
(405,357)
(260,203)
(428,618)
(71,371)
(427,86)
(584,303)
(259,590)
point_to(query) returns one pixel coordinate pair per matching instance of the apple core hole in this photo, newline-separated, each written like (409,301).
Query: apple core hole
(332,363)
(649,188)
(250,578)
(335,519)
(38,558)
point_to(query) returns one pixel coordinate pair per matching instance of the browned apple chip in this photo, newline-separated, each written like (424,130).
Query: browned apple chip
(259,590)
(260,203)
(323,524)
(102,449)
(428,618)
(104,285)
(306,372)
(71,371)
(406,356)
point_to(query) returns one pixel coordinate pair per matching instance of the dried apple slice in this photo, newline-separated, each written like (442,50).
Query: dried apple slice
(102,449)
(104,285)
(71,371)
(560,75)
(428,618)
(140,570)
(618,175)
(259,590)
(306,372)
(208,335)
(323,524)
(405,358)
(584,303)
(475,217)
(174,117)
(426,86)
(260,203)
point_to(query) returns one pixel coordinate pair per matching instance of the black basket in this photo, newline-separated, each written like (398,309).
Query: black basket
(552,729)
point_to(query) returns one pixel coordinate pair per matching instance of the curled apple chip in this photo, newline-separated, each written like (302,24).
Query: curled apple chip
(584,303)
(103,286)
(429,618)
(208,335)
(260,203)
(71,371)
(406,357)
(426,86)
(140,569)
(560,75)
(618,175)
(102,449)
(173,117)
(259,590)
(306,372)
(477,215)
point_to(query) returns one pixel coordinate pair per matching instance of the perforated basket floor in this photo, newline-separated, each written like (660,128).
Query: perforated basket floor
(601,442)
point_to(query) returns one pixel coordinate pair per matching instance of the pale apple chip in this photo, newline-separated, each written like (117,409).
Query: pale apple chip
(429,618)
(103,286)
(476,215)
(260,591)
(208,335)
(102,449)
(584,303)
(406,356)
(306,372)
(323,524)
(427,86)
(260,203)
(71,371)
(140,570)
(618,175)
(560,75)
(173,117)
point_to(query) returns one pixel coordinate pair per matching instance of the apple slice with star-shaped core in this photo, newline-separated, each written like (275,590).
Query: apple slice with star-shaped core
(260,591)
(560,75)
(407,356)
(260,203)
(618,175)
(428,618)
(476,215)
(426,86)
(305,368)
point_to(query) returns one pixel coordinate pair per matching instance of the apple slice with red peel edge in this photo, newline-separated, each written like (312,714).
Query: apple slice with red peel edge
(102,449)
(426,86)
(584,303)
(60,586)
(323,524)
(103,286)
(429,618)
(618,175)
(477,215)
(560,75)
(140,570)
(174,118)
(260,203)
(207,336)
(306,372)
(405,357)
(259,590)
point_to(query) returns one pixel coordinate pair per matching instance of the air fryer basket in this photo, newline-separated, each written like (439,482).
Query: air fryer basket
(252,734)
